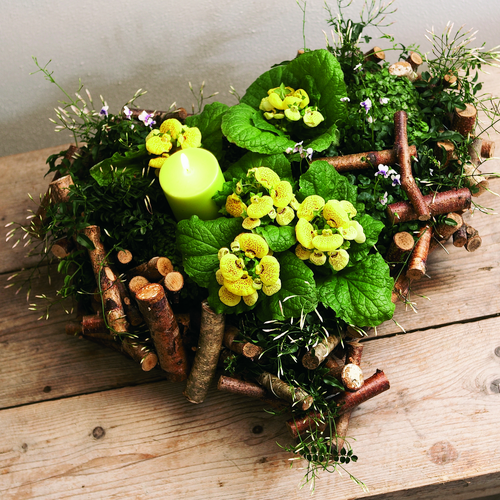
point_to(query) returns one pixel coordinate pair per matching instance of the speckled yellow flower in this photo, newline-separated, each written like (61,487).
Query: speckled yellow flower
(158,161)
(251,300)
(284,216)
(232,268)
(228,298)
(310,206)
(317,258)
(272,289)
(339,259)
(265,176)
(327,241)
(268,270)
(234,206)
(260,206)
(335,215)
(305,232)
(302,253)
(253,245)
(158,143)
(249,223)
(190,138)
(173,127)
(242,286)
(282,194)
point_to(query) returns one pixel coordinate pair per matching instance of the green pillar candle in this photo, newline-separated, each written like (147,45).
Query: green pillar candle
(189,178)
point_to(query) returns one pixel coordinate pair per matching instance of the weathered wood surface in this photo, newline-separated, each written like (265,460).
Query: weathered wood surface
(79,421)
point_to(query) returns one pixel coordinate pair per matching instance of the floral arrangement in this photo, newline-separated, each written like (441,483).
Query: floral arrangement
(341,172)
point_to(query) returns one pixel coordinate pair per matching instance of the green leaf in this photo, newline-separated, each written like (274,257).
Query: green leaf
(238,126)
(209,123)
(360,295)
(279,238)
(298,291)
(200,241)
(83,240)
(322,179)
(131,164)
(277,162)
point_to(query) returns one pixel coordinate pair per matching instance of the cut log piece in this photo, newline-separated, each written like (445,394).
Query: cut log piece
(375,55)
(464,120)
(161,322)
(207,355)
(418,259)
(312,359)
(293,395)
(238,345)
(415,60)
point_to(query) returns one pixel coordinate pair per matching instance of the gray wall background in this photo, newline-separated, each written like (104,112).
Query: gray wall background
(118,46)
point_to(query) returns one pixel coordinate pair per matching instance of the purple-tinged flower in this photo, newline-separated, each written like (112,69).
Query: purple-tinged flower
(366,105)
(383,200)
(357,67)
(147,118)
(127,112)
(344,99)
(369,119)
(396,180)
(104,110)
(382,170)
(383,100)
(309,153)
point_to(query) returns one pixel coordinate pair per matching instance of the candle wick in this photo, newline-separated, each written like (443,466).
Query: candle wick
(185,163)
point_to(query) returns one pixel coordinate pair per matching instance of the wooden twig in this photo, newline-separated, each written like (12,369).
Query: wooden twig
(455,200)
(403,69)
(464,120)
(443,232)
(415,60)
(312,359)
(154,270)
(136,283)
(352,377)
(309,422)
(473,239)
(445,152)
(62,247)
(207,354)
(360,161)
(373,386)
(293,395)
(418,258)
(375,55)
(238,345)
(404,159)
(401,288)
(402,243)
(161,322)
(124,257)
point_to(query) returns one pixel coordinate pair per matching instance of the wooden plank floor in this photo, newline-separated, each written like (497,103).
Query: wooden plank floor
(82,422)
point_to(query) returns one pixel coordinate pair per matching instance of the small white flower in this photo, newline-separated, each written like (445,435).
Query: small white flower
(369,119)
(104,110)
(383,200)
(127,112)
(382,170)
(357,67)
(396,180)
(344,99)
(384,100)
(147,118)
(366,105)
(431,172)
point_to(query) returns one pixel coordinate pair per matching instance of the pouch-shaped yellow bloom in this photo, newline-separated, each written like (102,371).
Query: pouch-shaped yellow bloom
(219,277)
(313,118)
(335,215)
(190,138)
(339,259)
(265,105)
(284,216)
(268,270)
(234,206)
(253,245)
(302,253)
(349,208)
(250,300)
(223,251)
(232,267)
(228,298)
(305,232)
(242,286)
(272,289)
(309,206)
(291,101)
(349,232)
(249,223)
(293,113)
(304,98)
(173,127)
(265,176)
(327,241)
(275,101)
(361,237)
(260,206)
(282,194)
(317,257)
(158,161)
(158,144)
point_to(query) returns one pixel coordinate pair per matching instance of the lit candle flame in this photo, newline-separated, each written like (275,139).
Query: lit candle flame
(185,164)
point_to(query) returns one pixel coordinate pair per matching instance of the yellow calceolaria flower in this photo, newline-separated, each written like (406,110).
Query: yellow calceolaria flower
(361,237)
(228,298)
(234,206)
(242,286)
(158,161)
(282,194)
(268,270)
(251,300)
(260,206)
(173,127)
(317,257)
(253,245)
(158,144)
(284,216)
(335,215)
(249,223)
(338,259)
(190,138)
(219,277)
(222,251)
(265,176)
(293,113)
(265,105)
(327,241)
(303,97)
(302,253)
(349,208)
(272,289)
(310,206)
(312,117)
(305,232)
(349,232)
(232,267)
